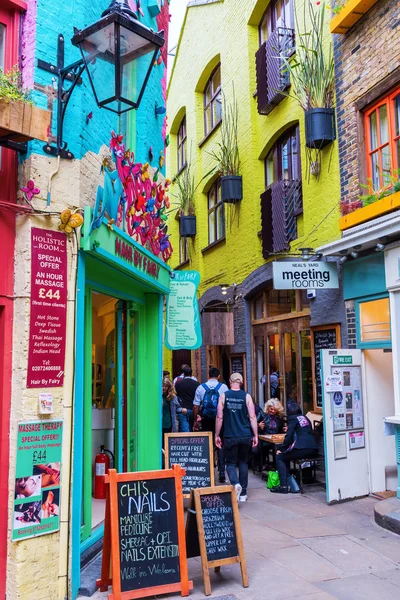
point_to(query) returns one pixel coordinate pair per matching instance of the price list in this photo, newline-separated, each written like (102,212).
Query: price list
(219,526)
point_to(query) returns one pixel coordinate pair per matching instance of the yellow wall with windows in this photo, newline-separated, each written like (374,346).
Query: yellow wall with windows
(226,31)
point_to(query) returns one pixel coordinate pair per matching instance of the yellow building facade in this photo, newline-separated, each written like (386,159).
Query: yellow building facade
(263,330)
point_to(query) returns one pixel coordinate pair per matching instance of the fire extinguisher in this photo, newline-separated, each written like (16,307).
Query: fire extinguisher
(101,466)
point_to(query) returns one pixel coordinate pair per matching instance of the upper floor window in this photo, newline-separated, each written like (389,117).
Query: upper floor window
(283,160)
(213,101)
(182,155)
(382,127)
(279,13)
(216,216)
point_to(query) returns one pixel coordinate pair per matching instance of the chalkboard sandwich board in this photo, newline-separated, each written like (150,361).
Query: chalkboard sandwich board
(194,452)
(144,536)
(213,531)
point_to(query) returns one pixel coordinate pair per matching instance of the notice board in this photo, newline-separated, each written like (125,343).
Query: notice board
(195,453)
(238,365)
(144,538)
(213,531)
(323,338)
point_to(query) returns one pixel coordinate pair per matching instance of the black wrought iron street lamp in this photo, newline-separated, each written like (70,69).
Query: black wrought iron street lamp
(118,53)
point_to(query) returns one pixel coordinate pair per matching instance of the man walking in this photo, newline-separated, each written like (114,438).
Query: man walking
(206,401)
(237,416)
(186,389)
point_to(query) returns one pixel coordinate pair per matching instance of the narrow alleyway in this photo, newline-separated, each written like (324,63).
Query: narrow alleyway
(299,548)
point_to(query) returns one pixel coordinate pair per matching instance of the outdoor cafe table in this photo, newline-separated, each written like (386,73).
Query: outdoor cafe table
(274,439)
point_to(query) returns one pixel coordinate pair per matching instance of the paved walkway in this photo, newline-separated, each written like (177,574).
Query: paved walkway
(299,548)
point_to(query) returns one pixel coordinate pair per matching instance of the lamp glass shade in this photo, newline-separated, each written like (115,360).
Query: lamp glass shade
(119,53)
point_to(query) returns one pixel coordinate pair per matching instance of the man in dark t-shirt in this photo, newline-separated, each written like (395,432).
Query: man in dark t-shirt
(186,390)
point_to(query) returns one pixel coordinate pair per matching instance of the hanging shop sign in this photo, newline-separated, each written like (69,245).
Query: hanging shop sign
(144,537)
(37,479)
(183,327)
(305,275)
(48,309)
(195,453)
(213,531)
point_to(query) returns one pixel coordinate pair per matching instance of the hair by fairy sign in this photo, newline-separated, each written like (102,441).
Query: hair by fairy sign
(134,200)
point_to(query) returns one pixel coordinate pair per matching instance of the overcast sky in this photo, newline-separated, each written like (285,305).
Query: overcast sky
(177,10)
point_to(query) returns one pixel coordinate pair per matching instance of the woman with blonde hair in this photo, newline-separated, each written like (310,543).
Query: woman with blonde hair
(170,407)
(274,417)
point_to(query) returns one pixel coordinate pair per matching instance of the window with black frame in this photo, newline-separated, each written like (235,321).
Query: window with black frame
(283,160)
(279,13)
(213,101)
(216,216)
(181,145)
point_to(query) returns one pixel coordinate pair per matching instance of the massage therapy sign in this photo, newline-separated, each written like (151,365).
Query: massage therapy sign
(305,275)
(48,309)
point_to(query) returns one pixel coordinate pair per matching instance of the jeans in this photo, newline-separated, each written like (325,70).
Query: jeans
(185,421)
(208,424)
(237,450)
(283,462)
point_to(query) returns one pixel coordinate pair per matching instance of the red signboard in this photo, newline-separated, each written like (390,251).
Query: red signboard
(48,309)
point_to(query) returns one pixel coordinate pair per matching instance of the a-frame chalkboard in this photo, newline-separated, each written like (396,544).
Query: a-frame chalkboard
(144,535)
(195,453)
(213,531)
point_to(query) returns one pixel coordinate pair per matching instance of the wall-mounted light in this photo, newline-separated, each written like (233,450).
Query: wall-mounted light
(224,288)
(343,259)
(354,252)
(118,53)
(306,253)
(380,247)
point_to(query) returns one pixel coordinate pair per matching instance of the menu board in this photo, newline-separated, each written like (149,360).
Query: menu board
(322,339)
(219,526)
(183,326)
(148,534)
(194,452)
(238,365)
(347,406)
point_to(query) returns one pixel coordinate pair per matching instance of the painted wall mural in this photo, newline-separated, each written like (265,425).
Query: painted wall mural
(134,200)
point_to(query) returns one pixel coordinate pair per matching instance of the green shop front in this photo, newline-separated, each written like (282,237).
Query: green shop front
(118,364)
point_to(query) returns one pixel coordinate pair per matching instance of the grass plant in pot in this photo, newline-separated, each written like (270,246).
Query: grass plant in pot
(185,190)
(312,76)
(227,155)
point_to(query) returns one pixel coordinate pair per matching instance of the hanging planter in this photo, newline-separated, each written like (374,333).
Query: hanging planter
(231,188)
(187,226)
(320,127)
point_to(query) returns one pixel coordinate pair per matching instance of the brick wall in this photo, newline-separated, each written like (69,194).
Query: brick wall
(367,54)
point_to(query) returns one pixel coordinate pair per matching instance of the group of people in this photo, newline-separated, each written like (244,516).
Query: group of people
(235,422)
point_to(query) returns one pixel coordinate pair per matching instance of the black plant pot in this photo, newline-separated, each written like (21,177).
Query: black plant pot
(320,127)
(231,188)
(187,226)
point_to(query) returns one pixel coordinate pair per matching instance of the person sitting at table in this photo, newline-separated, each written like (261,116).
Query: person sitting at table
(299,442)
(274,417)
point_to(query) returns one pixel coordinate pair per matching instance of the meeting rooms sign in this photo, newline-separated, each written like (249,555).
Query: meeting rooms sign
(305,275)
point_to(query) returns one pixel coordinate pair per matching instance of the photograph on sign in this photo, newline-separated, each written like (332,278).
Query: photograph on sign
(305,275)
(37,479)
(183,327)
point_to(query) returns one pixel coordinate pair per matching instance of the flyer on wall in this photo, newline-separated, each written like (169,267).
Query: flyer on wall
(37,479)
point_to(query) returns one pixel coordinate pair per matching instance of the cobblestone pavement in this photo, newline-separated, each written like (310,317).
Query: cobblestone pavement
(299,548)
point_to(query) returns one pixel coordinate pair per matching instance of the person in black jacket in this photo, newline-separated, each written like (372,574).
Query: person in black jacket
(299,442)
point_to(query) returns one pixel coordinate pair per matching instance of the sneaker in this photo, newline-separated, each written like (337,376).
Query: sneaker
(222,479)
(279,489)
(238,490)
(243,498)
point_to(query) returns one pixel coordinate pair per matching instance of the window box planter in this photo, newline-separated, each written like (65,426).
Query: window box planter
(372,211)
(231,188)
(351,12)
(187,226)
(22,122)
(320,127)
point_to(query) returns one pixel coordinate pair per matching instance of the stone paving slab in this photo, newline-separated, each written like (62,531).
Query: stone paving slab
(361,587)
(304,527)
(305,563)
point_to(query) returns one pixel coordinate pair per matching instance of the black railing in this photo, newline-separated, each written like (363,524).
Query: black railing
(281,203)
(272,78)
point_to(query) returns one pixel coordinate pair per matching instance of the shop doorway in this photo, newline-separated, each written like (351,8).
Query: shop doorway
(109,402)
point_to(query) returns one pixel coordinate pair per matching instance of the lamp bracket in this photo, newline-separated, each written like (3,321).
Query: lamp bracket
(7,142)
(72,74)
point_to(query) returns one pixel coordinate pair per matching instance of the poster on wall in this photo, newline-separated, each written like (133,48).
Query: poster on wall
(48,309)
(347,407)
(183,327)
(37,479)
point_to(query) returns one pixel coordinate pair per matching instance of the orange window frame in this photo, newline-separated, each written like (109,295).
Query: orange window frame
(393,138)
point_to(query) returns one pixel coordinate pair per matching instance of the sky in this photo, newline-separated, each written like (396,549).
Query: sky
(177,10)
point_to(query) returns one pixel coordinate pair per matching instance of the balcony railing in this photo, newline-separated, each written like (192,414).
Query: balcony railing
(281,203)
(271,76)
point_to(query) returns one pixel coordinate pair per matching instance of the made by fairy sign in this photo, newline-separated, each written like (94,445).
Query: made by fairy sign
(137,259)
(305,275)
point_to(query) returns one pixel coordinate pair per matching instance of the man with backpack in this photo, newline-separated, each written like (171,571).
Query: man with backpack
(206,402)
(236,414)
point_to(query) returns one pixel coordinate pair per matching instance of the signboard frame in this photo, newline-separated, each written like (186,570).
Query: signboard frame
(197,434)
(336,327)
(111,556)
(195,501)
(242,356)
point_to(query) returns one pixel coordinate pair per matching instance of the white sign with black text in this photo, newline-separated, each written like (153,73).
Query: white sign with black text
(305,275)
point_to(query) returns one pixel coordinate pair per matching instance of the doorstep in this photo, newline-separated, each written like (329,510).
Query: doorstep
(387,514)
(90,573)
